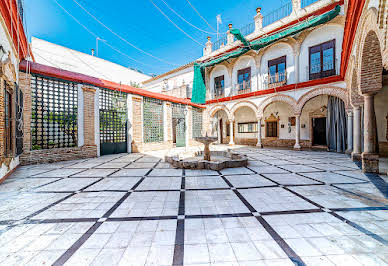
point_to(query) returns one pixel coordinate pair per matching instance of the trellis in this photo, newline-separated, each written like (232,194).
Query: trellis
(54,113)
(113,116)
(153,130)
(197,122)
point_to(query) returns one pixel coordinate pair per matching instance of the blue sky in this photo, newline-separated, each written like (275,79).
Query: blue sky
(140,23)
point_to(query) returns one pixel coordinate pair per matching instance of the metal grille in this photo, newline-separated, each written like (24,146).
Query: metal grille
(19,120)
(113,116)
(54,113)
(197,122)
(152,120)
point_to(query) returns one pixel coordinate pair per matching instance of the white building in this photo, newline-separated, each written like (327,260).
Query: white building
(54,55)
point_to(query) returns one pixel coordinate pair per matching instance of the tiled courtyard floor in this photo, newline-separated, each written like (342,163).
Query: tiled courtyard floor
(306,207)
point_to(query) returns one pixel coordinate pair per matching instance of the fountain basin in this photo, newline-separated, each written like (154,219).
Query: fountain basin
(221,160)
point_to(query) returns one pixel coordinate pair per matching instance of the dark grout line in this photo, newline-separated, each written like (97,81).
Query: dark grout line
(179,248)
(278,239)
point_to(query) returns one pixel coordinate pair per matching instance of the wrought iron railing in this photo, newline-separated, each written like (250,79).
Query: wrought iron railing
(274,81)
(328,69)
(277,14)
(220,43)
(248,29)
(308,2)
(242,87)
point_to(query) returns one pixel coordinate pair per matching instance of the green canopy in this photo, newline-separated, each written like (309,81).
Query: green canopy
(199,89)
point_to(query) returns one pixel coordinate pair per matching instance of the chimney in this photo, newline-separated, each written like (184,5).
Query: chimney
(230,36)
(258,20)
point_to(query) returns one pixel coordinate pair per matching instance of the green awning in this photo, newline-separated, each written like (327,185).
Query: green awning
(199,89)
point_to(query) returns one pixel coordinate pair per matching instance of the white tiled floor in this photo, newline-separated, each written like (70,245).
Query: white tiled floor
(123,210)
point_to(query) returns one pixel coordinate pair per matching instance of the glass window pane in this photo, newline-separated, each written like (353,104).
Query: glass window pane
(315,63)
(328,59)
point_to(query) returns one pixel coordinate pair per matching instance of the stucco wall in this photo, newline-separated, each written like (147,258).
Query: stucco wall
(322,34)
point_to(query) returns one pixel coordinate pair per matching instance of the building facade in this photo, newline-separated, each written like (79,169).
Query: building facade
(13,49)
(307,89)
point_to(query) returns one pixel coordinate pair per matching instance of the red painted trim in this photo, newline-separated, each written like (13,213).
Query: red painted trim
(315,13)
(280,89)
(8,174)
(14,26)
(81,78)
(353,16)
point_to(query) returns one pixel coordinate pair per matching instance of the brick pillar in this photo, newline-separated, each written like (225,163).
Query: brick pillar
(88,116)
(137,123)
(24,85)
(168,122)
(189,123)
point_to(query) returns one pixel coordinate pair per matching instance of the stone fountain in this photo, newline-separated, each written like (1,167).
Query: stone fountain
(206,141)
(206,159)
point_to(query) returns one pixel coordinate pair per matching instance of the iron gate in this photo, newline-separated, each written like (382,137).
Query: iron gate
(113,121)
(19,120)
(179,124)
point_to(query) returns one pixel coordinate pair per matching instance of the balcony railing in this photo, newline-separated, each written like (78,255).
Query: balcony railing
(220,43)
(248,29)
(274,81)
(328,69)
(308,2)
(277,14)
(242,88)
(217,94)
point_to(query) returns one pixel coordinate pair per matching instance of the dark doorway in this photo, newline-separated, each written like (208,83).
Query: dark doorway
(319,131)
(221,131)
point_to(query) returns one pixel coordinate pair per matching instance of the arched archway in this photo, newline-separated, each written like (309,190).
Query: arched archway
(276,98)
(327,90)
(220,117)
(245,124)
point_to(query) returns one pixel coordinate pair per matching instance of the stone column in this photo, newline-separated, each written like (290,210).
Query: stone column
(350,132)
(297,133)
(259,144)
(258,20)
(370,160)
(356,154)
(231,132)
(219,131)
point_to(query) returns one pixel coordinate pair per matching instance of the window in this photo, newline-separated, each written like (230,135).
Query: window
(219,85)
(322,60)
(277,70)
(8,122)
(272,129)
(244,80)
(250,127)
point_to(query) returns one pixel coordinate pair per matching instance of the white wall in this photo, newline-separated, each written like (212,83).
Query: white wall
(7,44)
(276,51)
(54,55)
(244,62)
(283,111)
(322,34)
(184,76)
(244,115)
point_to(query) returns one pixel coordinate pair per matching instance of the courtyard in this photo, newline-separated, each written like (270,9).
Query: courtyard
(287,207)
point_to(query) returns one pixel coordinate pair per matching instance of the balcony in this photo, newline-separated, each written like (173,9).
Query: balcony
(219,93)
(274,81)
(325,70)
(242,88)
